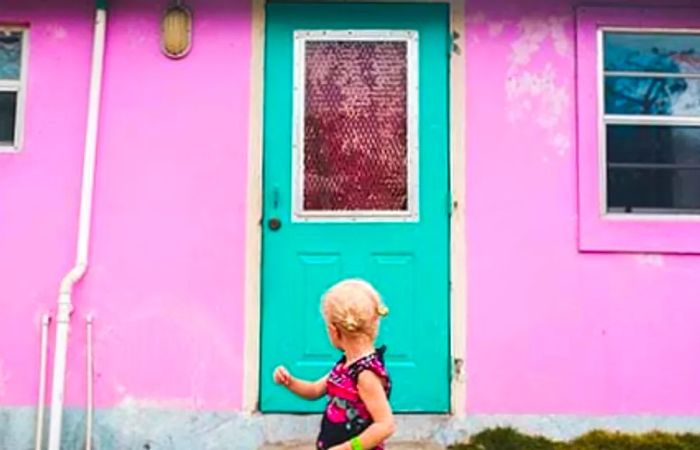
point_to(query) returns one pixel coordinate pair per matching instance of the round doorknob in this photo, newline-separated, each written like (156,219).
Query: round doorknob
(274,224)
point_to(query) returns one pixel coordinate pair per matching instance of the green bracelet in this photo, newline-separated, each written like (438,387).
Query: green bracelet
(355,444)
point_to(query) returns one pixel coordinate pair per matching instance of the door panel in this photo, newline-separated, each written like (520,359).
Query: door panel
(356,185)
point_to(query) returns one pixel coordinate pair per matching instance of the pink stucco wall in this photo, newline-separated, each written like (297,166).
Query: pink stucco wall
(38,188)
(166,277)
(550,330)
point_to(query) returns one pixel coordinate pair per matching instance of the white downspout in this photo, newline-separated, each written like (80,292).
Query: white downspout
(65,306)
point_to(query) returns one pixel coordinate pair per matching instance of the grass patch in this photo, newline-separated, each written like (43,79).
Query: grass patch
(511,439)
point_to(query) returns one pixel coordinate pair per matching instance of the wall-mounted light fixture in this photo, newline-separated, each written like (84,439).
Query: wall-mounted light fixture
(176,31)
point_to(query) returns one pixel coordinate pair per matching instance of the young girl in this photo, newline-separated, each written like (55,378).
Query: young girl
(358,415)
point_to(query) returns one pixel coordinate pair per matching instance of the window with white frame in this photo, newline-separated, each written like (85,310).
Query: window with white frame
(650,89)
(355,125)
(12,75)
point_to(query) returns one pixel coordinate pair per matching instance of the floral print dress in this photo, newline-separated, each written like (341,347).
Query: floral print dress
(346,416)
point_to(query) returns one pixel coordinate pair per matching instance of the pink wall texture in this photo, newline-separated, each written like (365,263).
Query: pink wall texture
(550,329)
(39,186)
(166,277)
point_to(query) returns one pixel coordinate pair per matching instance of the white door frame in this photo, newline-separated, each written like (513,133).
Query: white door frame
(253,245)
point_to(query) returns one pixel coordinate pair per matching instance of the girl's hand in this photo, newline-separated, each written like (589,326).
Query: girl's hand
(282,376)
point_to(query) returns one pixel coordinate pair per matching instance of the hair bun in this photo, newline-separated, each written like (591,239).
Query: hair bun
(382,311)
(350,324)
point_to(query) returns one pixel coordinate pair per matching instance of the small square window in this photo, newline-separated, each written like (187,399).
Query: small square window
(12,76)
(651,90)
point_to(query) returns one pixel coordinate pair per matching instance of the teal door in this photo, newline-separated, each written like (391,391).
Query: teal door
(356,185)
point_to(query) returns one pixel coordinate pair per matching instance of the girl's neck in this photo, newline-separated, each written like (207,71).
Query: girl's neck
(357,350)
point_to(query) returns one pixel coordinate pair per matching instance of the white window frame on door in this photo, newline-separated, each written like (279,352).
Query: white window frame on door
(19,87)
(301,37)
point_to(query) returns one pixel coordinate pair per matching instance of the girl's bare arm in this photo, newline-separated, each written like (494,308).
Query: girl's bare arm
(372,393)
(310,390)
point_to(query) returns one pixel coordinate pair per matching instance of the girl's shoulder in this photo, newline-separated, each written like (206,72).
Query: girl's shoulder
(374,363)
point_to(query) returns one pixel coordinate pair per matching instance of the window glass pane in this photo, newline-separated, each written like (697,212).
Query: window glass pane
(653,144)
(10,55)
(653,190)
(652,96)
(653,168)
(8,109)
(652,52)
(355,126)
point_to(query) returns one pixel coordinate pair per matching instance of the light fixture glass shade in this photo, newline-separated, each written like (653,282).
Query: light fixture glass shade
(176,30)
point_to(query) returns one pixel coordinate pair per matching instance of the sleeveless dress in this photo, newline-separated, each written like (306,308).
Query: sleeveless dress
(346,416)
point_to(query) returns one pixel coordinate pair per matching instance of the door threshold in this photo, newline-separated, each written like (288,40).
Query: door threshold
(301,429)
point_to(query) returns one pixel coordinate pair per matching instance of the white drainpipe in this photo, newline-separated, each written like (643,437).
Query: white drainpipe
(65,306)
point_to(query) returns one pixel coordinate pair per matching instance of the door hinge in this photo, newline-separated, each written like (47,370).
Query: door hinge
(454,46)
(458,370)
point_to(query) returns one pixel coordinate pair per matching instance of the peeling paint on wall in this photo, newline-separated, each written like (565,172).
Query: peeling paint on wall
(537,92)
(496,28)
(534,89)
(56,31)
(534,32)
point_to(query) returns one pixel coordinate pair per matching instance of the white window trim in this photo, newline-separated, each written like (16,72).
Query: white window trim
(616,119)
(299,214)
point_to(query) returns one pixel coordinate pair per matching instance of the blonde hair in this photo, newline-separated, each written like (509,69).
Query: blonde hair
(354,307)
